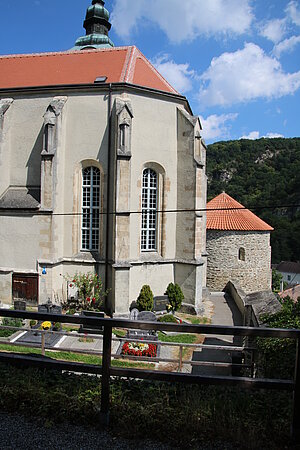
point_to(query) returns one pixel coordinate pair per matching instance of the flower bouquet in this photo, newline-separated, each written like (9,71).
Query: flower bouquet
(139,349)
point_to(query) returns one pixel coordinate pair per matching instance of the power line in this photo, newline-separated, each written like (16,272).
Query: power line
(162,211)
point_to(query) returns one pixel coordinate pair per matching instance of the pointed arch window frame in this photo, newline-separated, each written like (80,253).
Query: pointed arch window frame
(149,210)
(91,207)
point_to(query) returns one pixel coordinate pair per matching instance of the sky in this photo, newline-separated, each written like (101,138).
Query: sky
(237,61)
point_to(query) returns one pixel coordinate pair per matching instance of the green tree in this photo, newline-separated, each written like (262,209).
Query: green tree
(175,296)
(145,299)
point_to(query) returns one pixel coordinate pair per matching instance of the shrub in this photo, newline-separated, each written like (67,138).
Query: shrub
(10,322)
(145,299)
(175,296)
(276,356)
(167,318)
(90,293)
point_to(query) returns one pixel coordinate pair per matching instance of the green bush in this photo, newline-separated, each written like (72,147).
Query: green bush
(10,322)
(145,299)
(167,318)
(90,293)
(175,296)
(276,357)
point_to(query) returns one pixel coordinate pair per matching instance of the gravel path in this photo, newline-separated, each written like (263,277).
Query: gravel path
(17,432)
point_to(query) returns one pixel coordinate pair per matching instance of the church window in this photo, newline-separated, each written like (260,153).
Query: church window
(149,210)
(90,208)
(242,254)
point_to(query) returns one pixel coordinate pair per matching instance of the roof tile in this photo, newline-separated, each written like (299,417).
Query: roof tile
(118,64)
(228,214)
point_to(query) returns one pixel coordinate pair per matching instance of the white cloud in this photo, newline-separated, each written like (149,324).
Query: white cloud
(293,12)
(178,75)
(273,135)
(255,135)
(274,30)
(287,45)
(252,135)
(215,126)
(243,76)
(183,20)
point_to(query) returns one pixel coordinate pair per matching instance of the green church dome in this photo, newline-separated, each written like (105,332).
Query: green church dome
(97,26)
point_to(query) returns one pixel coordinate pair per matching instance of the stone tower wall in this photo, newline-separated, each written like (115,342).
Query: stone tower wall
(223,264)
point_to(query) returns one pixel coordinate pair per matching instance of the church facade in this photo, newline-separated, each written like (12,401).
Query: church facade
(99,157)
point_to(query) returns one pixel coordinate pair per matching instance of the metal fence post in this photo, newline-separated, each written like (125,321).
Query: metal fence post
(106,360)
(296,398)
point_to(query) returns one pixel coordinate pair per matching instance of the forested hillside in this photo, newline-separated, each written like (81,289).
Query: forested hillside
(262,173)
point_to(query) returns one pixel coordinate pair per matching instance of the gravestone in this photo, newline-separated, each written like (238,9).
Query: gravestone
(160,303)
(147,335)
(134,314)
(92,329)
(146,316)
(49,308)
(20,305)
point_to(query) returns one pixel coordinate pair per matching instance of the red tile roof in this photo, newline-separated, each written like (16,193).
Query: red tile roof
(224,217)
(118,64)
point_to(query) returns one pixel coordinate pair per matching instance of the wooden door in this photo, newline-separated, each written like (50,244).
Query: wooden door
(25,287)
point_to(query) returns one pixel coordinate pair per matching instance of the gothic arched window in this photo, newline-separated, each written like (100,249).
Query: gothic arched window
(149,210)
(90,209)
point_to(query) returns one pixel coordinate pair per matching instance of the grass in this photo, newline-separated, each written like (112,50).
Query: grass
(199,320)
(70,328)
(182,338)
(75,357)
(148,409)
(86,339)
(119,332)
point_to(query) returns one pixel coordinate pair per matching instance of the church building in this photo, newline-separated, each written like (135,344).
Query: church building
(100,158)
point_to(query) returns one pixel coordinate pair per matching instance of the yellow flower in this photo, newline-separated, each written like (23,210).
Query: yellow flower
(46,325)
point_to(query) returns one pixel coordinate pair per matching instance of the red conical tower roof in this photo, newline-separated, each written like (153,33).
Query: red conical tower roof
(225,216)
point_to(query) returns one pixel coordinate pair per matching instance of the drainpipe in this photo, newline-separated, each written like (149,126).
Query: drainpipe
(109,159)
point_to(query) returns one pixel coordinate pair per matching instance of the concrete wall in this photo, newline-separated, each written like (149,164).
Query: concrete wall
(223,265)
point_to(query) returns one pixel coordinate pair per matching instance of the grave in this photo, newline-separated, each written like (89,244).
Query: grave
(160,303)
(91,329)
(34,336)
(143,335)
(20,305)
(145,316)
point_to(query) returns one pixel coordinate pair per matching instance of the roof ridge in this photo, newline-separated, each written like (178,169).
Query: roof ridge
(131,65)
(66,52)
(146,60)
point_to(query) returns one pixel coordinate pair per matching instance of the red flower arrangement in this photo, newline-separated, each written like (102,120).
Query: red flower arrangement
(139,349)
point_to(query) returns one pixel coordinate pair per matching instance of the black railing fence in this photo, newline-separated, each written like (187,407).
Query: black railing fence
(107,371)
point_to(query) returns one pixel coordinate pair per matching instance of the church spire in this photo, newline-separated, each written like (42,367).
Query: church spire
(97,26)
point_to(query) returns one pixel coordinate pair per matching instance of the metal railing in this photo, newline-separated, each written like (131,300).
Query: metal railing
(106,369)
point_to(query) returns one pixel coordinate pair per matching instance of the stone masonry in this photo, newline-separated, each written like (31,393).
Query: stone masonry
(223,265)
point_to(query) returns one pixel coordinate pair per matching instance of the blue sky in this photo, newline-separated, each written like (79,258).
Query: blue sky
(237,61)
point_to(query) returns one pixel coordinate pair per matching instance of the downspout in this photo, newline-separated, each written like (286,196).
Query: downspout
(109,161)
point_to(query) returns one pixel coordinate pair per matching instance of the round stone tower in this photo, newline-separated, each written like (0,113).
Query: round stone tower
(238,246)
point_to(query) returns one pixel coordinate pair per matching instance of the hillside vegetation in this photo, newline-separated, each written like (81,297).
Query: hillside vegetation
(260,173)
